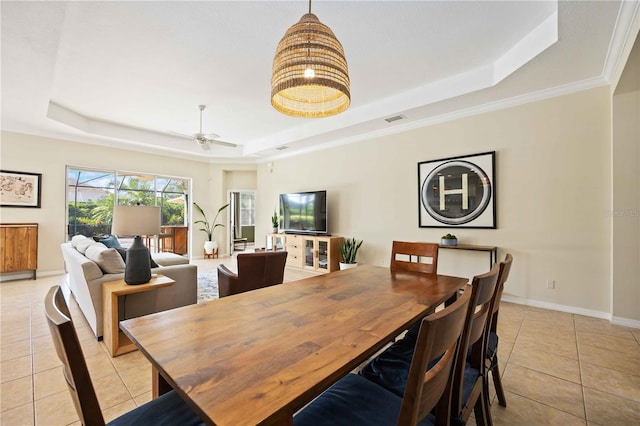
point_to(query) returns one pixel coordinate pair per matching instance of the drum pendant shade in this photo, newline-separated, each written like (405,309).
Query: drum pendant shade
(310,75)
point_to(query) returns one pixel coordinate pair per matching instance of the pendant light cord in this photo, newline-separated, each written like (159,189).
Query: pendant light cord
(309,41)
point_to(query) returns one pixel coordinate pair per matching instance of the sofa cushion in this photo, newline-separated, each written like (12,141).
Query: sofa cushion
(110,241)
(169,259)
(106,258)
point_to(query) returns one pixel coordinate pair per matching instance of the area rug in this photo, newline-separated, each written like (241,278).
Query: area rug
(207,285)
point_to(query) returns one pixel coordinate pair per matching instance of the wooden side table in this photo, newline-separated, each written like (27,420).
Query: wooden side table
(117,343)
(492,250)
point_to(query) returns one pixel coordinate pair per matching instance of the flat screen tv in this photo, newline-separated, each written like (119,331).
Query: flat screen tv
(304,213)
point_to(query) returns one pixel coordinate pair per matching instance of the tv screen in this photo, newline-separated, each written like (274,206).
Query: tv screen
(304,212)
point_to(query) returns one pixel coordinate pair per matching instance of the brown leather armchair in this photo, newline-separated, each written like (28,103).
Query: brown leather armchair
(255,270)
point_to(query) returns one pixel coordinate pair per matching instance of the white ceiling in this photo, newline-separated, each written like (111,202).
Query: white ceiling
(127,74)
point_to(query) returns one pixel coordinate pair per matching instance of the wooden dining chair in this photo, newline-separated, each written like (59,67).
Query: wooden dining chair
(492,333)
(412,256)
(390,368)
(470,371)
(255,270)
(354,400)
(169,409)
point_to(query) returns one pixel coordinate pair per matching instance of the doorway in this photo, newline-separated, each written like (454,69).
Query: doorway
(242,224)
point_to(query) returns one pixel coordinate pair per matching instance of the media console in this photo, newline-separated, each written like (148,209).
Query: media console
(310,252)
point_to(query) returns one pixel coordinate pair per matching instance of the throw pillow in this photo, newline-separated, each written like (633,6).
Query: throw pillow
(110,241)
(123,254)
(107,259)
(83,245)
(76,238)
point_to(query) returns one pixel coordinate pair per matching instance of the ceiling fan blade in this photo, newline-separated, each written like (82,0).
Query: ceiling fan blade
(182,135)
(204,140)
(223,143)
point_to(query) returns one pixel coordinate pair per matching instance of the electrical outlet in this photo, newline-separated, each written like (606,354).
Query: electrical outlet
(551,284)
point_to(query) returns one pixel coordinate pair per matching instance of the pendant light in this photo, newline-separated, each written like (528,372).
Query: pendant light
(310,76)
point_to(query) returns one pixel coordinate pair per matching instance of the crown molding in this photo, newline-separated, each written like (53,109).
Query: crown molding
(624,36)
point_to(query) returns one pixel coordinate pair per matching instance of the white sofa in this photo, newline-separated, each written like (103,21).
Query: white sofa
(85,278)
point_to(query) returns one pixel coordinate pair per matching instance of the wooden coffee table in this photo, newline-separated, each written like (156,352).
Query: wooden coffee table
(117,343)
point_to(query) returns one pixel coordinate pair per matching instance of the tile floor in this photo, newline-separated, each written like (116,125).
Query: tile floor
(557,368)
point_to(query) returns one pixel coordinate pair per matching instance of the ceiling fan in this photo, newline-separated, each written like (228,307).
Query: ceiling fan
(205,140)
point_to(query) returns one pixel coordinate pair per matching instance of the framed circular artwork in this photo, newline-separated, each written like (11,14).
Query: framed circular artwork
(458,192)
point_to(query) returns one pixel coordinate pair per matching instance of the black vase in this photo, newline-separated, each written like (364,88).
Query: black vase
(137,267)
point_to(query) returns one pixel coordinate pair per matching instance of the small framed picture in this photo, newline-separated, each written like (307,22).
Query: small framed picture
(20,189)
(458,192)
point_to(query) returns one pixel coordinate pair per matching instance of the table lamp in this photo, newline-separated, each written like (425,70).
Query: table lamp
(136,221)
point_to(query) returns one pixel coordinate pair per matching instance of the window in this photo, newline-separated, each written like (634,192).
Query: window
(171,196)
(247,208)
(90,200)
(92,194)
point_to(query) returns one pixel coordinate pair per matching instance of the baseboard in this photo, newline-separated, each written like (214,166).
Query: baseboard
(556,307)
(626,322)
(13,276)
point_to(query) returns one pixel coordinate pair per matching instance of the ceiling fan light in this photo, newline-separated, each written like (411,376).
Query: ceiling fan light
(310,45)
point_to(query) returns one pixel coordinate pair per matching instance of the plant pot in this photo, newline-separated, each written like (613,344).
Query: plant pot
(275,230)
(448,241)
(210,246)
(347,265)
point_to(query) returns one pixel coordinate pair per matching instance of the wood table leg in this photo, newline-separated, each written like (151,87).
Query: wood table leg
(159,386)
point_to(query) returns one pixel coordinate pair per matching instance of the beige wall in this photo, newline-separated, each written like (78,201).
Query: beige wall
(626,195)
(240,180)
(553,192)
(50,156)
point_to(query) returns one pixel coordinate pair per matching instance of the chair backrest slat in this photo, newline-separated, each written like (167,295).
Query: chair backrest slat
(70,353)
(416,253)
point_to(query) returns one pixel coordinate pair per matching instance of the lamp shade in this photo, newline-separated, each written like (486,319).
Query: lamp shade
(136,220)
(310,77)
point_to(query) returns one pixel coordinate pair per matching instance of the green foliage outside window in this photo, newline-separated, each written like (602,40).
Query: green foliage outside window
(92,213)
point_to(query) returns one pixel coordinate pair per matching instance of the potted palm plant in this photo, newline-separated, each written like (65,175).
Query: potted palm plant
(208,227)
(349,250)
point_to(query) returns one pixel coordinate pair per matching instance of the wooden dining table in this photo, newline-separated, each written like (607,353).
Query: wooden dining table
(260,356)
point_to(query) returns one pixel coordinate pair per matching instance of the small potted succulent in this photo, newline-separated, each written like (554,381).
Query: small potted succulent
(349,250)
(449,240)
(275,222)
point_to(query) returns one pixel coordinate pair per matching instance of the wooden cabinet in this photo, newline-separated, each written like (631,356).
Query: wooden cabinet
(275,242)
(295,252)
(174,239)
(321,254)
(19,247)
(318,254)
(313,253)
